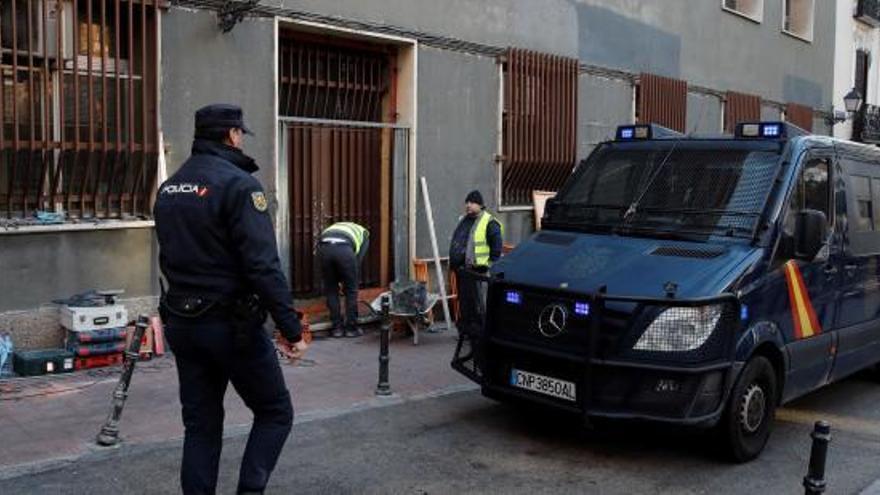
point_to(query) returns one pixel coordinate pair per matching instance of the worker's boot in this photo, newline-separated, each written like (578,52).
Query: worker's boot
(353,332)
(336,332)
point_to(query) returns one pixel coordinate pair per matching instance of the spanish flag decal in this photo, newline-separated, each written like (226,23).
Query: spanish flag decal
(802,314)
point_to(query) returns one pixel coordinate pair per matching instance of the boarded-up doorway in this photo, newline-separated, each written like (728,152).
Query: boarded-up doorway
(336,104)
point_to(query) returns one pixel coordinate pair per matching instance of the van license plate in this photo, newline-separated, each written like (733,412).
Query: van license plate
(541,384)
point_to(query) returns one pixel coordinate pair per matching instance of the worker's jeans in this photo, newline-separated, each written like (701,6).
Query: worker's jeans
(471,302)
(340,265)
(209,356)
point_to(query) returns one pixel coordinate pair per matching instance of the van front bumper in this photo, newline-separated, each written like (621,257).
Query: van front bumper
(687,395)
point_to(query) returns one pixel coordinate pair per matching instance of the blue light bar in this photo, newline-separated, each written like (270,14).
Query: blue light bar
(634,132)
(768,130)
(743,312)
(771,130)
(582,308)
(513,297)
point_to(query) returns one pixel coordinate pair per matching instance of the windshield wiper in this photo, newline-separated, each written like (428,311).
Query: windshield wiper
(634,206)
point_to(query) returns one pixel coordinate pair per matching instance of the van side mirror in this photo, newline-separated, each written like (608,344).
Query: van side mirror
(810,233)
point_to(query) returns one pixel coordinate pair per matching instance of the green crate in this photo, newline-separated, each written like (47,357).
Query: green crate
(43,362)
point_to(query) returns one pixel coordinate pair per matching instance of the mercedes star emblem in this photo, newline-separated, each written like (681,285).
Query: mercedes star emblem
(552,320)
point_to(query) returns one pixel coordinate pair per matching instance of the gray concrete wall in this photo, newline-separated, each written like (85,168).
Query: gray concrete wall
(603,104)
(37,268)
(457,138)
(694,40)
(703,114)
(769,112)
(546,25)
(201,65)
(697,41)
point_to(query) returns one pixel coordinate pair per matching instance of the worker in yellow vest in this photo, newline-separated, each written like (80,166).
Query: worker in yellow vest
(342,248)
(476,244)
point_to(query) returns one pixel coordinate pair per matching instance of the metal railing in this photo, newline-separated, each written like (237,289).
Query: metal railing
(78,101)
(866,124)
(539,124)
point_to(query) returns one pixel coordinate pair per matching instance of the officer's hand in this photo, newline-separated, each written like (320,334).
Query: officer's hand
(299,348)
(285,348)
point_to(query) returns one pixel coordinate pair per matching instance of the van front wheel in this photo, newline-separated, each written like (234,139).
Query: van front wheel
(745,427)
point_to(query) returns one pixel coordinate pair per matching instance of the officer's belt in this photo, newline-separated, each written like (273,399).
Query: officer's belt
(195,306)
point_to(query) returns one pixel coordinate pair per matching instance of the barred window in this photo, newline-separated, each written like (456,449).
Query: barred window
(539,122)
(78,103)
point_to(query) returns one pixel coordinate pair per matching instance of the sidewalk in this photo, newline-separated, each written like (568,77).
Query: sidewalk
(48,421)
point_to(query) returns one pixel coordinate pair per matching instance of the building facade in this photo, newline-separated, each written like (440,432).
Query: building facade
(353,103)
(857,44)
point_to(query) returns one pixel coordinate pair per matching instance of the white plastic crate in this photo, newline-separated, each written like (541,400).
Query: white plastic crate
(80,319)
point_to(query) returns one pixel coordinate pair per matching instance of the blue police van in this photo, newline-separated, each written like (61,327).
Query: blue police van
(693,280)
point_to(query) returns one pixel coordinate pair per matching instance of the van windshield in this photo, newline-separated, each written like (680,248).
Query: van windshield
(672,192)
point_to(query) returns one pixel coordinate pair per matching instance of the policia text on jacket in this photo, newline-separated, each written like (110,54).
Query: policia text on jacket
(699,281)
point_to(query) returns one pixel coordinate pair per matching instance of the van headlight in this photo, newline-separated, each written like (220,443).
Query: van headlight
(680,329)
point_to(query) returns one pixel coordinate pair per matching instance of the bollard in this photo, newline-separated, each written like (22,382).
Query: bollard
(814,481)
(109,434)
(383,388)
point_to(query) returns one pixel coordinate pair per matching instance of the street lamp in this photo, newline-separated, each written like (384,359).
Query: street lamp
(852,102)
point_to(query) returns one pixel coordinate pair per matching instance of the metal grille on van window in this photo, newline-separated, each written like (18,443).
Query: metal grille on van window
(560,239)
(683,252)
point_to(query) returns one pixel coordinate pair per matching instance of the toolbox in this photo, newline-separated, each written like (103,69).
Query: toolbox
(43,362)
(95,336)
(99,349)
(84,318)
(84,363)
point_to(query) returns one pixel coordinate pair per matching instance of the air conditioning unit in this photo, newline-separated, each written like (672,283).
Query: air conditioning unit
(29,29)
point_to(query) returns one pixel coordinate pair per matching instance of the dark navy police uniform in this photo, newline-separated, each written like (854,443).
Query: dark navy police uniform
(218,253)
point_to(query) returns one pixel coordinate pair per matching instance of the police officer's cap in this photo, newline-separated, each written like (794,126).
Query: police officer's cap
(221,116)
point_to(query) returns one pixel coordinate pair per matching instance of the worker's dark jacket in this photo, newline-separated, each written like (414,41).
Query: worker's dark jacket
(459,243)
(216,237)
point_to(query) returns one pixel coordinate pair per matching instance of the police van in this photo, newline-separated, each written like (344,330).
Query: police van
(693,280)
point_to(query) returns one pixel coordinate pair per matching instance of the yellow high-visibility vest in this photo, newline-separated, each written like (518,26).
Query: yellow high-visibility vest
(351,230)
(478,246)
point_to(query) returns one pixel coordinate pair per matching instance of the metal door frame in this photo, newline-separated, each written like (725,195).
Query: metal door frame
(400,204)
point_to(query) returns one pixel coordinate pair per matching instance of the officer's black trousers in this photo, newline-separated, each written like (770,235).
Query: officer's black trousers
(340,265)
(209,356)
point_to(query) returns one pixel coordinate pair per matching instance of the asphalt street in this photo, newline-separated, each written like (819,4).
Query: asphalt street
(464,443)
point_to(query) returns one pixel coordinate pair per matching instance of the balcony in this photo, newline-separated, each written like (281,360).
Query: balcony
(868,11)
(866,125)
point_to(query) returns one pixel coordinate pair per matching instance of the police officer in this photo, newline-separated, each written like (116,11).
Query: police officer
(476,244)
(342,248)
(218,253)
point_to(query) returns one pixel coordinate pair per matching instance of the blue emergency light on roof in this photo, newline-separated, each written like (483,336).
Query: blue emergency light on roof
(640,132)
(582,308)
(513,297)
(768,130)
